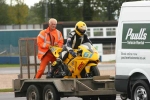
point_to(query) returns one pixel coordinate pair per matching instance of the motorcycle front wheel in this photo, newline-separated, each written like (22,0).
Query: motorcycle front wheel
(94,71)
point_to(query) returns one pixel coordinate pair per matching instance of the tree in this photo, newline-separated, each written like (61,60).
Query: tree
(73,10)
(110,9)
(33,17)
(18,13)
(4,19)
(87,10)
(36,14)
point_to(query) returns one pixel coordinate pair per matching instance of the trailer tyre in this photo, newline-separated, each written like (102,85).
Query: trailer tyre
(140,91)
(33,93)
(107,97)
(50,93)
(90,98)
(123,96)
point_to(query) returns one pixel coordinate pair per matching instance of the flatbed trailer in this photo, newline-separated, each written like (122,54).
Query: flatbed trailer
(26,85)
(96,87)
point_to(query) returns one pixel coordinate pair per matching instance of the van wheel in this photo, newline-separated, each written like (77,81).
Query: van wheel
(140,91)
(50,93)
(107,97)
(33,93)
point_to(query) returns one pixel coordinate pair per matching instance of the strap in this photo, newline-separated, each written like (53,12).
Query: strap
(51,38)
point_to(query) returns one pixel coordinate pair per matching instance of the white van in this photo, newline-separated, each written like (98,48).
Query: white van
(133,50)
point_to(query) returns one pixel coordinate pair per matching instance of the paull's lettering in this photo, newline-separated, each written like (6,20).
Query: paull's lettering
(136,36)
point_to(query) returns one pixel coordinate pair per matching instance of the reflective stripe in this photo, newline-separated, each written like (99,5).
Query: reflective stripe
(82,39)
(48,42)
(68,48)
(41,36)
(59,36)
(44,45)
(51,39)
(41,52)
(55,43)
(72,33)
(74,41)
(45,38)
(63,53)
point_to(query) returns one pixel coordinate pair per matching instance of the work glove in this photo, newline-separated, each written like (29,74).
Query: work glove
(50,47)
(57,45)
(72,53)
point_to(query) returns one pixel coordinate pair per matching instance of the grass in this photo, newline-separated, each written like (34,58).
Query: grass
(6,90)
(9,65)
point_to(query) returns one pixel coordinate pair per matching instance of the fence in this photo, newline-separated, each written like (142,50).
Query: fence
(25,26)
(9,51)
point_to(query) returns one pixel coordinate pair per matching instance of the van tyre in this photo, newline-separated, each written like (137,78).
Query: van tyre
(140,91)
(33,93)
(50,93)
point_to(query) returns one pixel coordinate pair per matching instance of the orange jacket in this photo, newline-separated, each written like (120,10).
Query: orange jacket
(44,40)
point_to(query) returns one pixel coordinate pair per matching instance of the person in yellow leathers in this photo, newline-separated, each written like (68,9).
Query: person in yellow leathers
(47,38)
(76,37)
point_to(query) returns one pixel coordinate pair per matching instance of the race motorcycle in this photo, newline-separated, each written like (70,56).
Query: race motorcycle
(84,65)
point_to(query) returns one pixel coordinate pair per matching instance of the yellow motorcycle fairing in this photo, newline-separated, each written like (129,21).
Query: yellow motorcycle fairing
(88,54)
(55,51)
(88,66)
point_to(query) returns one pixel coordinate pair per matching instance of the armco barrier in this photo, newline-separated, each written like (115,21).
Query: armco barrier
(9,60)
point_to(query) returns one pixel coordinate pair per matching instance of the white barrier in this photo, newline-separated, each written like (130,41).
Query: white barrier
(108,57)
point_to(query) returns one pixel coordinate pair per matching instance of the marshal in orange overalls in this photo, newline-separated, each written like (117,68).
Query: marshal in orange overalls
(45,39)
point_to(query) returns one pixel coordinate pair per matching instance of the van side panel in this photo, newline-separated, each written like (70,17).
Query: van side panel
(132,45)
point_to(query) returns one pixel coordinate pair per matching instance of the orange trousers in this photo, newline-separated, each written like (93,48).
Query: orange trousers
(44,61)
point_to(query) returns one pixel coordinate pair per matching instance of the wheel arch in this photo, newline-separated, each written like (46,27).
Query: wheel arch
(133,78)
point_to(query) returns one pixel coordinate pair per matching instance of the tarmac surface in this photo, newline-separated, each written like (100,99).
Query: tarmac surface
(7,76)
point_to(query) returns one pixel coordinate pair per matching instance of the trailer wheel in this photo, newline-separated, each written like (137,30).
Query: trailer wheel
(33,93)
(140,91)
(90,98)
(50,93)
(123,96)
(107,97)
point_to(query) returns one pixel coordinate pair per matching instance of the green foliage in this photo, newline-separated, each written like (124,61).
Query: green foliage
(62,10)
(4,19)
(18,13)
(87,10)
(36,14)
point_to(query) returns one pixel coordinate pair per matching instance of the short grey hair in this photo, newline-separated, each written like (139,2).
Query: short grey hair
(52,19)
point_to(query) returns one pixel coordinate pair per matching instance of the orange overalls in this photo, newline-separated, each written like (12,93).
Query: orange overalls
(45,39)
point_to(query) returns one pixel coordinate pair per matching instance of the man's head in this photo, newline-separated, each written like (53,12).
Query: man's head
(80,28)
(52,23)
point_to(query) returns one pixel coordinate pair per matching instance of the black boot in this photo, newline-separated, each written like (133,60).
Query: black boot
(58,64)
(50,74)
